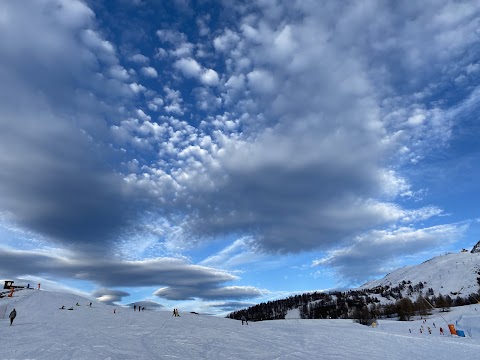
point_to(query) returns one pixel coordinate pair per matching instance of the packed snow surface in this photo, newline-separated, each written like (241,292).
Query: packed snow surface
(42,331)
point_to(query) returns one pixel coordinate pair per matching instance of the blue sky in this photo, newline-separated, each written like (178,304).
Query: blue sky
(210,155)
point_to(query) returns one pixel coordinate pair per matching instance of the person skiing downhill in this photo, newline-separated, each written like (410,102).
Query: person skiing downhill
(12,316)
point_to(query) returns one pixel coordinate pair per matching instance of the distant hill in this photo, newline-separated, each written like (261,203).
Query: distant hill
(451,274)
(452,279)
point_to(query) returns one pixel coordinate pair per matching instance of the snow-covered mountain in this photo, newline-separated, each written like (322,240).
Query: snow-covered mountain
(453,274)
(452,279)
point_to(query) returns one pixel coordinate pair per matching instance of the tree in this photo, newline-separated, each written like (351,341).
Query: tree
(441,302)
(421,306)
(363,316)
(405,309)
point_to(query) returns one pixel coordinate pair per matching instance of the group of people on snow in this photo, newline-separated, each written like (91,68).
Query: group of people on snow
(175,313)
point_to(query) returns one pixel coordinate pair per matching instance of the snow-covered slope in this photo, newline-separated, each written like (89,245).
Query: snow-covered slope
(42,331)
(449,274)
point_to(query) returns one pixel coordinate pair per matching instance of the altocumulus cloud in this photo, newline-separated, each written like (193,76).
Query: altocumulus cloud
(306,123)
(308,164)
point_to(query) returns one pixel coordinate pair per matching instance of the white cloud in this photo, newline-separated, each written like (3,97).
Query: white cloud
(209,77)
(192,69)
(139,59)
(202,24)
(226,41)
(137,88)
(189,67)
(118,72)
(104,48)
(372,254)
(149,72)
(141,115)
(155,104)
(261,81)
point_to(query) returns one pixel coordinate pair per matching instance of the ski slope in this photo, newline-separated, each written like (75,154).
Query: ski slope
(43,331)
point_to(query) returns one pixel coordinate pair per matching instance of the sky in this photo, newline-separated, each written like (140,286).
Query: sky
(42,331)
(211,155)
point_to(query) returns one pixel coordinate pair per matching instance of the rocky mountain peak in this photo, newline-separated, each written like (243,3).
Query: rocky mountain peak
(476,248)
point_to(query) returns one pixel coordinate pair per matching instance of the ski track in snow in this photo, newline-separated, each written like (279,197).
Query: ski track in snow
(42,331)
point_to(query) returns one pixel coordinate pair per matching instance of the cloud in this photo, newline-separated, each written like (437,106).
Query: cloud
(236,254)
(118,72)
(379,251)
(148,304)
(55,180)
(226,41)
(137,88)
(189,67)
(109,296)
(192,69)
(231,306)
(298,132)
(181,279)
(149,72)
(311,147)
(139,59)
(213,293)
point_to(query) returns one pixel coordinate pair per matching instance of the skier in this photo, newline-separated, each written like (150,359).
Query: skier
(441,331)
(244,319)
(38,286)
(12,316)
(90,304)
(134,307)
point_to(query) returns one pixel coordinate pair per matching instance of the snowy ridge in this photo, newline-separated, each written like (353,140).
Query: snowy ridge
(42,331)
(449,274)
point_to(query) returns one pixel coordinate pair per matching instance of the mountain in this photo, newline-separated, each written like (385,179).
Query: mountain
(42,331)
(448,280)
(476,248)
(453,274)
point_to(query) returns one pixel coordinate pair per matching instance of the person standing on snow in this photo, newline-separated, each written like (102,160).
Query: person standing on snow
(244,319)
(12,316)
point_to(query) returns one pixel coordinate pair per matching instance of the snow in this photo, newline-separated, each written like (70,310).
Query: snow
(447,274)
(42,331)
(293,314)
